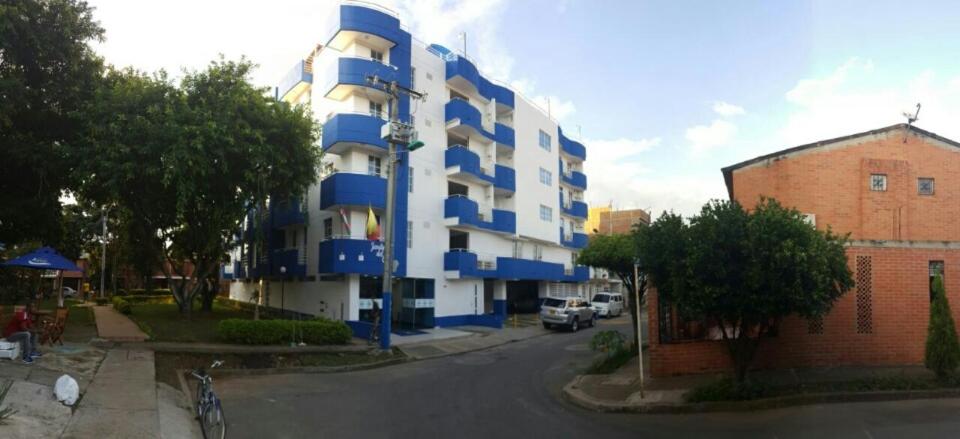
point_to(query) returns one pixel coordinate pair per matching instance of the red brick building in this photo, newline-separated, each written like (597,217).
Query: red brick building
(896,190)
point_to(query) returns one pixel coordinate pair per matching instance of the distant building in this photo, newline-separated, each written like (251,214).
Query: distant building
(605,221)
(894,190)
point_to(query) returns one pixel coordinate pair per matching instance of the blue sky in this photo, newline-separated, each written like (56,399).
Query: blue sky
(665,93)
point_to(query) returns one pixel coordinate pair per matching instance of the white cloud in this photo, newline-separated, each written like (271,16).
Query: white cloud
(727,109)
(704,138)
(612,166)
(858,96)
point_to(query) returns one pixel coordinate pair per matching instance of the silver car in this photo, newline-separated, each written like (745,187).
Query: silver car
(569,312)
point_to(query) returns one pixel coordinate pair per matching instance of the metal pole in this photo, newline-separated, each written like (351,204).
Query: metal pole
(386,309)
(103,254)
(636,292)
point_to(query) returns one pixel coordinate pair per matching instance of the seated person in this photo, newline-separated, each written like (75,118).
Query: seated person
(19,330)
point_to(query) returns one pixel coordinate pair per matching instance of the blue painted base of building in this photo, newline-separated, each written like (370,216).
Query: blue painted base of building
(489,320)
(360,329)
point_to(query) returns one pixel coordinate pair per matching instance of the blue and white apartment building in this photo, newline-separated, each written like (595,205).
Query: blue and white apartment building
(489,214)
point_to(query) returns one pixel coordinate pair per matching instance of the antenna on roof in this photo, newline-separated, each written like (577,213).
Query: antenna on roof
(911,118)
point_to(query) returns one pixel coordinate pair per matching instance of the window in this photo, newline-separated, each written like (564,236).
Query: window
(878,182)
(546,213)
(546,177)
(537,252)
(409,234)
(573,258)
(925,186)
(413,78)
(810,218)
(410,180)
(328,228)
(376,109)
(935,269)
(545,140)
(518,249)
(376,55)
(373,165)
(864,295)
(293,239)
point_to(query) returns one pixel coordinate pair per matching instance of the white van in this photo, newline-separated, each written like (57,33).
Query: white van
(608,304)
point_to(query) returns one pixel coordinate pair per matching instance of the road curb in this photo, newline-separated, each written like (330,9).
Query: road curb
(573,394)
(483,348)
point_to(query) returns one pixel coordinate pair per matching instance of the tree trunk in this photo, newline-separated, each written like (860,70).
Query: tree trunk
(742,348)
(209,293)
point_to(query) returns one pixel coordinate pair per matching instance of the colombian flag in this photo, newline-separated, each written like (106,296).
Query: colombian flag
(373,229)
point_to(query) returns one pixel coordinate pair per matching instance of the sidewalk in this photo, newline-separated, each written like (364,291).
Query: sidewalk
(477,338)
(124,401)
(113,326)
(620,391)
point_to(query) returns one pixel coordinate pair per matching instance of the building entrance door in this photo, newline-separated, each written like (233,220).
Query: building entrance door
(488,296)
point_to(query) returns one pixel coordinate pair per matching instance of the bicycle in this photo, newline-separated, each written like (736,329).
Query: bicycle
(213,424)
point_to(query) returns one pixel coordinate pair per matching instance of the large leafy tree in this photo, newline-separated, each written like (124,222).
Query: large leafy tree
(746,271)
(47,74)
(616,253)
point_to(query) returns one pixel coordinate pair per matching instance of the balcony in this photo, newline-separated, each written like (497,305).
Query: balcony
(465,120)
(291,259)
(377,26)
(506,180)
(463,74)
(287,213)
(346,189)
(502,95)
(462,211)
(571,148)
(460,263)
(461,162)
(347,130)
(573,208)
(351,256)
(504,136)
(575,179)
(573,240)
(296,81)
(352,73)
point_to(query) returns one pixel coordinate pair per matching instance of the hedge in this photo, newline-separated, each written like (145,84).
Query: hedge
(267,332)
(120,304)
(139,300)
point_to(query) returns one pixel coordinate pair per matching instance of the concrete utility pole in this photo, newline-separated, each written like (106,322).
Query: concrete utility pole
(103,252)
(636,292)
(395,132)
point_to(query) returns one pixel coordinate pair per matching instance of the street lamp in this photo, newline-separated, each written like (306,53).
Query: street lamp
(283,279)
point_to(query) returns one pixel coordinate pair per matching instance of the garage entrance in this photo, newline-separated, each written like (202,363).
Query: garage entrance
(523,297)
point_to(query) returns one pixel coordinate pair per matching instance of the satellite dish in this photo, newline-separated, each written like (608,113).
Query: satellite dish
(911,118)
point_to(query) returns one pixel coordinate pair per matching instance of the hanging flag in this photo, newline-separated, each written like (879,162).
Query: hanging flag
(373,229)
(345,221)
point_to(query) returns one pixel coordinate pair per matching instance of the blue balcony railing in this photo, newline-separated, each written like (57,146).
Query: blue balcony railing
(300,74)
(466,212)
(468,115)
(370,19)
(573,240)
(468,161)
(463,70)
(289,259)
(575,179)
(506,178)
(345,189)
(354,71)
(574,208)
(572,148)
(465,263)
(352,128)
(502,95)
(351,256)
(287,213)
(504,135)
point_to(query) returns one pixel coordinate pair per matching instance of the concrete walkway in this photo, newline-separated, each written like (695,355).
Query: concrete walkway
(480,338)
(124,401)
(113,326)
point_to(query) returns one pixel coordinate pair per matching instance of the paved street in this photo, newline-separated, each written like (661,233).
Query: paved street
(514,391)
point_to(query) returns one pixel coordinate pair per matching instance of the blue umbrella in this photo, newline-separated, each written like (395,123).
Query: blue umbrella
(44,258)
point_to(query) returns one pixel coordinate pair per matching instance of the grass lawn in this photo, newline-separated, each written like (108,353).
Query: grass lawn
(163,322)
(81,326)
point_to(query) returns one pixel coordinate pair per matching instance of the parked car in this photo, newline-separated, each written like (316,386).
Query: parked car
(69,292)
(567,312)
(608,304)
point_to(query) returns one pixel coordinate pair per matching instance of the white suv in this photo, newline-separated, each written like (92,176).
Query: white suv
(608,304)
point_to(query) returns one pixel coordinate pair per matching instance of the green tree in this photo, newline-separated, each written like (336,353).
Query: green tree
(746,271)
(616,253)
(942,354)
(48,72)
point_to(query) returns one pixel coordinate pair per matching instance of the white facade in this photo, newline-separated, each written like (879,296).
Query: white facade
(514,263)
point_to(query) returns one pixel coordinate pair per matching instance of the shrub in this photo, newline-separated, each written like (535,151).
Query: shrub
(122,305)
(942,354)
(138,300)
(609,342)
(265,332)
(726,389)
(102,301)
